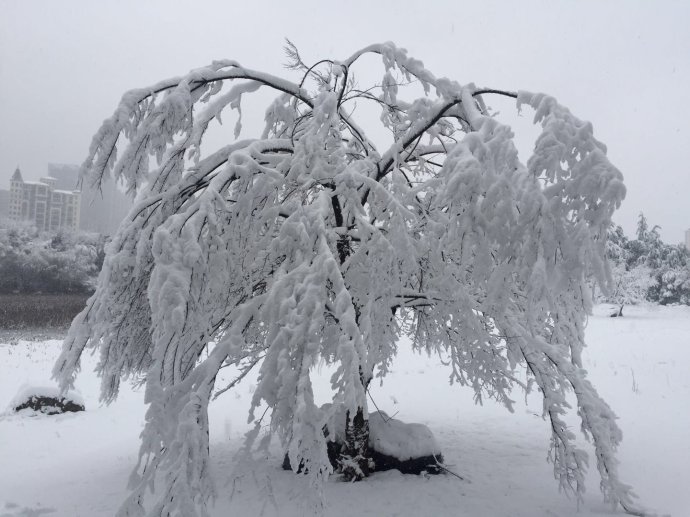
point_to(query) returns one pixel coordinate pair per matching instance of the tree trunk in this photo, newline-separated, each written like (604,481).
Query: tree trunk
(618,313)
(355,457)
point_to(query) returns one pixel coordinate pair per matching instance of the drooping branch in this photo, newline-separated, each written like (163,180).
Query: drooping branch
(105,141)
(483,91)
(384,165)
(269,80)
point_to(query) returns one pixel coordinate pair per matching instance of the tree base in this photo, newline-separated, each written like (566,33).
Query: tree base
(409,448)
(382,462)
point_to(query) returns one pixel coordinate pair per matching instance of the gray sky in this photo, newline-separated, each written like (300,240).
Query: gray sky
(623,65)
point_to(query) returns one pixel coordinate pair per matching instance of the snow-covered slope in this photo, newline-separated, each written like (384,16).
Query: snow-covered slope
(78,464)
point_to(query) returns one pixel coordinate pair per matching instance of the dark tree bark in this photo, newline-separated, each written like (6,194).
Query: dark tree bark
(355,456)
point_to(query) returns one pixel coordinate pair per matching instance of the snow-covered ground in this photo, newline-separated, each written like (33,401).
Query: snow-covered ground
(78,464)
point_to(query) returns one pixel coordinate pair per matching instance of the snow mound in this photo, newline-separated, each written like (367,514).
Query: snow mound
(399,439)
(389,436)
(48,400)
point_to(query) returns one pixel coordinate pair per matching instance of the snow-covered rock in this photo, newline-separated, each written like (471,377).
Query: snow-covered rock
(409,448)
(47,400)
(399,439)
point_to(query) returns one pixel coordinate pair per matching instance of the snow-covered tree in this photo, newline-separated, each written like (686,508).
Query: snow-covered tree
(316,242)
(667,265)
(631,278)
(630,286)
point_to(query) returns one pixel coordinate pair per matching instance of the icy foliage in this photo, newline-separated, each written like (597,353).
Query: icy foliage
(311,245)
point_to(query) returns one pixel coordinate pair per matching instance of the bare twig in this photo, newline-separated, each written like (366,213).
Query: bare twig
(386,420)
(446,469)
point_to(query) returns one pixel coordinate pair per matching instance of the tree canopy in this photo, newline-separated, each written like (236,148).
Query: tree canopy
(312,243)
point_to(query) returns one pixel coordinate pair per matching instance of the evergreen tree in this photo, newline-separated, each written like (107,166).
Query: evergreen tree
(631,281)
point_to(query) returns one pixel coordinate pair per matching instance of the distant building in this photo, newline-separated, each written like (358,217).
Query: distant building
(41,203)
(101,211)
(687,239)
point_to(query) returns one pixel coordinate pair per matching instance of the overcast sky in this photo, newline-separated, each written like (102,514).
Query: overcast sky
(623,65)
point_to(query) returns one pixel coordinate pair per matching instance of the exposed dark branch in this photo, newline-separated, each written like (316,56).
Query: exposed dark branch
(498,92)
(346,70)
(239,378)
(386,162)
(310,70)
(241,73)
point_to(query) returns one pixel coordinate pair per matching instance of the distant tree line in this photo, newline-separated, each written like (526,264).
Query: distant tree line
(646,268)
(62,262)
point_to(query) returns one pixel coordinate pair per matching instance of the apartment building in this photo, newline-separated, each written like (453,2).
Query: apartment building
(41,203)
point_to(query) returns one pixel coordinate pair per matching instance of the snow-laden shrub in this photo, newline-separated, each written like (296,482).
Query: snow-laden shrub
(672,286)
(45,262)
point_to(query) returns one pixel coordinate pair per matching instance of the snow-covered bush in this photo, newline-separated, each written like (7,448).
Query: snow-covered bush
(48,262)
(313,243)
(672,286)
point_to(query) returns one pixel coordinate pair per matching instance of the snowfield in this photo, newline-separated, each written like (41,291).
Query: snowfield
(78,464)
